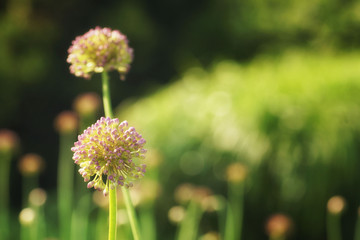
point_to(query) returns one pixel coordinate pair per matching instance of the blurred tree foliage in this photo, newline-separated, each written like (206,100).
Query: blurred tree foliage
(168,37)
(293,120)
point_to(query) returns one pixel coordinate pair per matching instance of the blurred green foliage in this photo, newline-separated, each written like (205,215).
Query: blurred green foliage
(293,120)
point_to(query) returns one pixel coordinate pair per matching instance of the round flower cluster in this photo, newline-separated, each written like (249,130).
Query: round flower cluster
(98,50)
(107,149)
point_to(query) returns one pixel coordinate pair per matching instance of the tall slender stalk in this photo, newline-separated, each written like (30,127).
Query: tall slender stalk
(112,192)
(236,175)
(357,226)
(234,217)
(106,95)
(80,218)
(131,213)
(333,226)
(188,229)
(335,208)
(65,184)
(4,189)
(112,213)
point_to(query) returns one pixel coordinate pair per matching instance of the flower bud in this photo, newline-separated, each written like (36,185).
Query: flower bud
(336,205)
(66,122)
(210,236)
(9,141)
(31,164)
(278,225)
(184,193)
(27,216)
(87,104)
(176,214)
(236,173)
(37,197)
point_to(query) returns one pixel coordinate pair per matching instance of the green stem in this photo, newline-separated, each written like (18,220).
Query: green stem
(29,183)
(333,226)
(106,95)
(65,184)
(131,213)
(112,192)
(357,228)
(234,218)
(112,214)
(5,159)
(188,228)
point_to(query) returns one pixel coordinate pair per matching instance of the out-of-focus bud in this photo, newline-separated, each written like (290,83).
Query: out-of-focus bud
(66,122)
(336,205)
(9,141)
(184,193)
(213,203)
(37,197)
(210,236)
(87,104)
(278,225)
(236,173)
(31,164)
(176,214)
(201,194)
(27,216)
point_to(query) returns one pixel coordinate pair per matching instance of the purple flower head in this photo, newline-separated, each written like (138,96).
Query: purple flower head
(98,50)
(107,151)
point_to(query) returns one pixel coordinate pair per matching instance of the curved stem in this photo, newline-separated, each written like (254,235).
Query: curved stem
(131,213)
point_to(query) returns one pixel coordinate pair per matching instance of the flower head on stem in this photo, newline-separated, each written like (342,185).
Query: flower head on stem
(98,50)
(108,148)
